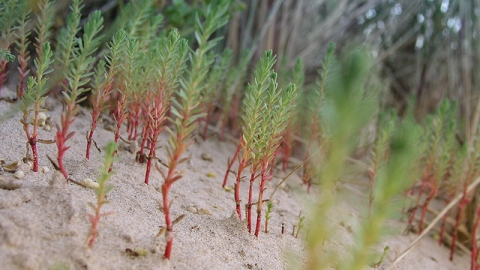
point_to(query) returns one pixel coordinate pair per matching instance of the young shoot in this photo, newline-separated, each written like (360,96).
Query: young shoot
(101,192)
(78,76)
(34,96)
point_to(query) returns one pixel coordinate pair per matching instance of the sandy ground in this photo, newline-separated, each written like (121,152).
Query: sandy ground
(44,225)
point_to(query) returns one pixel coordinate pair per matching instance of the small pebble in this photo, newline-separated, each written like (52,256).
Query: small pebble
(192,209)
(47,127)
(44,169)
(90,183)
(206,157)
(41,119)
(211,175)
(19,174)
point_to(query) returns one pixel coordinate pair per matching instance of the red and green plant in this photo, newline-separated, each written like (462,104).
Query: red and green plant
(216,81)
(78,75)
(170,58)
(35,95)
(104,83)
(101,193)
(186,108)
(22,42)
(313,129)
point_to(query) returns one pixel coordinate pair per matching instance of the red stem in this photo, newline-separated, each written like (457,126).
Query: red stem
(22,71)
(432,195)
(207,121)
(265,177)
(286,148)
(230,164)
(249,204)
(414,210)
(168,221)
(461,207)
(474,256)
(3,73)
(444,220)
(241,166)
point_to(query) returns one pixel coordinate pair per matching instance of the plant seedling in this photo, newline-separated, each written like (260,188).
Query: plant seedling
(186,109)
(10,11)
(104,83)
(268,214)
(35,95)
(78,75)
(171,58)
(299,224)
(22,43)
(314,132)
(101,192)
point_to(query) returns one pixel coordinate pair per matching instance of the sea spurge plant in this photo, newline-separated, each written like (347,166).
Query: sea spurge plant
(380,151)
(471,172)
(78,75)
(101,192)
(276,114)
(104,82)
(253,106)
(22,42)
(344,116)
(439,139)
(288,136)
(44,25)
(67,42)
(216,81)
(186,108)
(392,178)
(10,11)
(170,58)
(313,128)
(231,92)
(131,81)
(34,96)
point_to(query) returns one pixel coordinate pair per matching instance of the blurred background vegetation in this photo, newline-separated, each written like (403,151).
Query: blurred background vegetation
(427,49)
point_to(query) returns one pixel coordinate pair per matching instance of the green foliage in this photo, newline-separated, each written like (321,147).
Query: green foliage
(36,87)
(105,174)
(253,103)
(6,55)
(186,108)
(22,33)
(81,59)
(347,111)
(392,179)
(10,12)
(44,22)
(101,191)
(169,59)
(217,77)
(66,40)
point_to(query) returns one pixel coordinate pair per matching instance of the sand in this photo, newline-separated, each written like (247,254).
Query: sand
(44,224)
